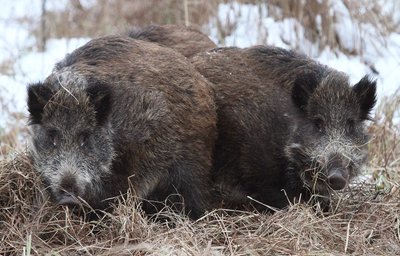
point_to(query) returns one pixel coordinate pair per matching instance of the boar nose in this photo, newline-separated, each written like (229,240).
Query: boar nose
(68,191)
(338,173)
(337,179)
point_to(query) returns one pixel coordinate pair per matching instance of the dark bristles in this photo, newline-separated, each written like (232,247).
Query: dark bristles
(303,87)
(366,93)
(100,97)
(38,96)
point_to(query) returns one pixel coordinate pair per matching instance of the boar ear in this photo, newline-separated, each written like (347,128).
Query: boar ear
(303,87)
(38,96)
(365,90)
(100,97)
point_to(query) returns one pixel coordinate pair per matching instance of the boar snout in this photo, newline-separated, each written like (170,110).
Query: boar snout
(338,174)
(337,179)
(68,192)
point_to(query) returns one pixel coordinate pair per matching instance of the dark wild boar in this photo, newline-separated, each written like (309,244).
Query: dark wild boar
(288,126)
(118,110)
(188,41)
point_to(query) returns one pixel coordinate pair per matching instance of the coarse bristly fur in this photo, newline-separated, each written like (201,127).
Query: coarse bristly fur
(289,127)
(186,40)
(119,112)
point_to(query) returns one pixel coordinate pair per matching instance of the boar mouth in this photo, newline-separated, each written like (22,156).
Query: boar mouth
(67,199)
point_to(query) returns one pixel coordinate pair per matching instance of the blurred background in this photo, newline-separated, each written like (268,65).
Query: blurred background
(355,36)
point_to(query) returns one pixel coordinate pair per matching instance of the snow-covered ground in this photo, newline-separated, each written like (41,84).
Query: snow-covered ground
(254,26)
(18,46)
(32,67)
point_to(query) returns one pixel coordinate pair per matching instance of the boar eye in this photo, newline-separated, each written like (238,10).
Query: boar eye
(84,138)
(350,124)
(52,137)
(319,124)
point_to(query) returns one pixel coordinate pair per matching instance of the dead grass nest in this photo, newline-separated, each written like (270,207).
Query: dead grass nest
(362,221)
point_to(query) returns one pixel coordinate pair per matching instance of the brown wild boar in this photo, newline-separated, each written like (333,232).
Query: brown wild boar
(119,111)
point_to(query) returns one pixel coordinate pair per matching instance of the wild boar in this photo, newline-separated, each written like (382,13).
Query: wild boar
(118,112)
(289,127)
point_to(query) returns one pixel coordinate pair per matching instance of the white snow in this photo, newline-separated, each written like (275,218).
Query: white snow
(18,47)
(33,67)
(346,29)
(245,20)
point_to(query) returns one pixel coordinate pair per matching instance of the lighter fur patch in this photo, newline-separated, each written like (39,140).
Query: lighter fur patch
(66,77)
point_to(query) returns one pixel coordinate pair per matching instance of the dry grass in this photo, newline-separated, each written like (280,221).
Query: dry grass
(384,149)
(13,130)
(110,17)
(365,219)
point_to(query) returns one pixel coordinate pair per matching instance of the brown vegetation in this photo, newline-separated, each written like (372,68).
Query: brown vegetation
(110,17)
